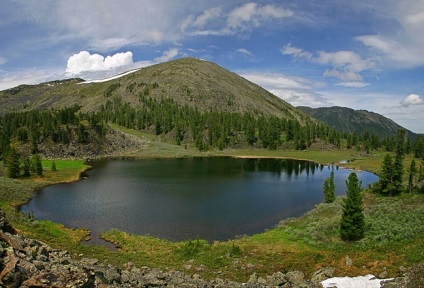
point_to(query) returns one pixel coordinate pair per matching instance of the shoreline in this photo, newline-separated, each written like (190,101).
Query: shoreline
(90,163)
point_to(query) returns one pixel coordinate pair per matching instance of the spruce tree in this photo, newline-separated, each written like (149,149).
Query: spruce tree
(54,168)
(398,164)
(329,189)
(12,163)
(385,183)
(412,172)
(27,167)
(37,166)
(352,225)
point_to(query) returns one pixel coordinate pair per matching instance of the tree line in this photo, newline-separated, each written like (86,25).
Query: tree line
(183,124)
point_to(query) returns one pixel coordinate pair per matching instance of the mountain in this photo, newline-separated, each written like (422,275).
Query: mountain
(188,81)
(349,120)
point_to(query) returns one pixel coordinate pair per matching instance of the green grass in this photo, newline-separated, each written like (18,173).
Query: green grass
(65,165)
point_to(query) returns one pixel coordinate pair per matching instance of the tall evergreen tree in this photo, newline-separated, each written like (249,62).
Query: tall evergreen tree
(329,189)
(27,167)
(352,225)
(412,172)
(398,164)
(385,183)
(37,165)
(12,163)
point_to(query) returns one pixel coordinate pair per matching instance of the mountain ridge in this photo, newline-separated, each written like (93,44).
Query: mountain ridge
(189,81)
(346,119)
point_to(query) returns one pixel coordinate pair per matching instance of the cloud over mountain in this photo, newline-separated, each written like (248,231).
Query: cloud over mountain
(86,62)
(412,100)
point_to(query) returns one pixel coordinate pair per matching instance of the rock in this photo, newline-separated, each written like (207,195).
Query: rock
(383,275)
(253,278)
(277,279)
(348,261)
(322,274)
(295,277)
(402,270)
(15,241)
(4,224)
(89,262)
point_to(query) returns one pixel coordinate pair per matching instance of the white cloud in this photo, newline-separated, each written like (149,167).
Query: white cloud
(95,66)
(252,14)
(238,21)
(167,55)
(2,60)
(245,51)
(401,48)
(295,90)
(207,16)
(241,15)
(353,84)
(296,52)
(412,100)
(345,65)
(84,61)
(26,76)
(201,20)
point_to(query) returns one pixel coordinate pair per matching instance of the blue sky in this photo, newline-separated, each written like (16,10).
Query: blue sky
(359,54)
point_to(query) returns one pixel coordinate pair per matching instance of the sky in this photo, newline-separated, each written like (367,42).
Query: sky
(364,54)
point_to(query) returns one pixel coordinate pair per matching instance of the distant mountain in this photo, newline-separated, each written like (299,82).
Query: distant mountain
(188,81)
(349,120)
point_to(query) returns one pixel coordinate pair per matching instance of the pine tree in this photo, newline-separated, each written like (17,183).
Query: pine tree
(329,189)
(54,168)
(36,164)
(385,183)
(12,163)
(412,172)
(27,167)
(352,225)
(398,164)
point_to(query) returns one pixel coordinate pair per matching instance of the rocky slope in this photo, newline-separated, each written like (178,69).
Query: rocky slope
(28,263)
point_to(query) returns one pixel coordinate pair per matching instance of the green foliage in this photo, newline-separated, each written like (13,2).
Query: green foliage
(13,164)
(53,167)
(385,184)
(192,248)
(82,134)
(352,225)
(398,163)
(37,166)
(412,171)
(111,88)
(26,167)
(329,189)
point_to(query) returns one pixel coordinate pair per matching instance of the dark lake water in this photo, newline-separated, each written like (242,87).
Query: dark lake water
(181,199)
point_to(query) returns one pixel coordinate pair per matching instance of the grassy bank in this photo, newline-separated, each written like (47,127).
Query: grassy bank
(393,233)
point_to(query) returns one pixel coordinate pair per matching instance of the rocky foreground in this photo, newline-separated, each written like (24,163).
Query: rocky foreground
(27,262)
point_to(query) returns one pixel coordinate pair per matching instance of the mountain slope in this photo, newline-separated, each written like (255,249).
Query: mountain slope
(188,81)
(349,120)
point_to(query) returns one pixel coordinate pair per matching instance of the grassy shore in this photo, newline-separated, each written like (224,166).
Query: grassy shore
(393,235)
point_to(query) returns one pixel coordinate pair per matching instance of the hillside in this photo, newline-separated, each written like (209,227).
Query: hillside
(349,120)
(188,81)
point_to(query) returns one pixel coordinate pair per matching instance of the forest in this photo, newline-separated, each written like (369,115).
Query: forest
(182,125)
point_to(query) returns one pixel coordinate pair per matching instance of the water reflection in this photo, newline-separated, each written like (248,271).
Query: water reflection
(179,199)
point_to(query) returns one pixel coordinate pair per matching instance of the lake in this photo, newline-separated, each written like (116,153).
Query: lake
(216,198)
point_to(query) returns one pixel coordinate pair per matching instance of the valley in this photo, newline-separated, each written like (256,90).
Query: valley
(193,108)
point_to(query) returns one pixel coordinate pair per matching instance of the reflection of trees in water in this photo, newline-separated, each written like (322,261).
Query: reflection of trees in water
(279,166)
